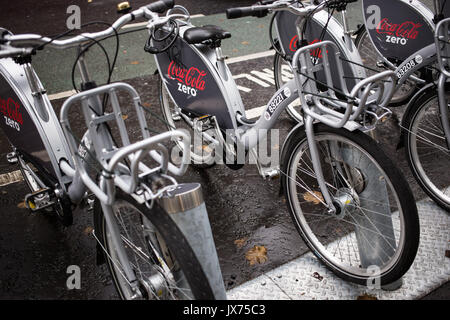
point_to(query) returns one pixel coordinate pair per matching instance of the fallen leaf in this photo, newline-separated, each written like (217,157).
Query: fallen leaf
(240,242)
(235,50)
(124,117)
(245,43)
(88,230)
(366,296)
(21,205)
(257,254)
(314,198)
(134,62)
(146,104)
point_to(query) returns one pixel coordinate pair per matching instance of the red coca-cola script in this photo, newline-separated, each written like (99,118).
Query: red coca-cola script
(191,77)
(408,29)
(11,109)
(317,53)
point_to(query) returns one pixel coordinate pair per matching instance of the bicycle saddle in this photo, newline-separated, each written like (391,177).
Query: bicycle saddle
(209,32)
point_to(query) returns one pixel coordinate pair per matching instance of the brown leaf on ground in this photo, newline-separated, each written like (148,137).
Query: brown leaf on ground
(124,116)
(366,296)
(21,205)
(257,254)
(240,242)
(245,43)
(315,197)
(134,62)
(145,104)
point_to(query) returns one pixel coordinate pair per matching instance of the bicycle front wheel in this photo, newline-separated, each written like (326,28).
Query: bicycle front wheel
(375,229)
(162,260)
(427,148)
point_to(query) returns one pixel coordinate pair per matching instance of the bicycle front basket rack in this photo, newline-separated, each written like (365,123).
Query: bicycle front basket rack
(120,166)
(332,106)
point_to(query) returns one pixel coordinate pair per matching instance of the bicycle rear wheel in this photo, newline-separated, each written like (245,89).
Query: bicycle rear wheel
(427,149)
(163,261)
(202,155)
(375,227)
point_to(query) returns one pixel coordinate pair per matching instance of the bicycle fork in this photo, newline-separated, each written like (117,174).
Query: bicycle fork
(309,128)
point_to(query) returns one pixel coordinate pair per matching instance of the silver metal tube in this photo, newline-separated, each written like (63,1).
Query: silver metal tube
(186,207)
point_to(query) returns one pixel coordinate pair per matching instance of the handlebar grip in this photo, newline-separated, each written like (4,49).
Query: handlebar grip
(235,13)
(161,6)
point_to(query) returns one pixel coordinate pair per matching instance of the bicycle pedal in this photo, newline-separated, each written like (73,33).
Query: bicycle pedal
(271,173)
(39,200)
(12,158)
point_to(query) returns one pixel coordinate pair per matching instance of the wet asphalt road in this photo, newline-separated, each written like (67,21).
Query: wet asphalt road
(35,250)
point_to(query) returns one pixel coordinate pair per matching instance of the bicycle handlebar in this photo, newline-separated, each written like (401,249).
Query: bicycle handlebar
(161,6)
(262,8)
(30,40)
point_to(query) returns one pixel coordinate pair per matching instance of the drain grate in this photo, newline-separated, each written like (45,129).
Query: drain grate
(298,279)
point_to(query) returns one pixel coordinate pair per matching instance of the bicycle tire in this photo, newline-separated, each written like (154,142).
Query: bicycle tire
(409,247)
(409,123)
(177,244)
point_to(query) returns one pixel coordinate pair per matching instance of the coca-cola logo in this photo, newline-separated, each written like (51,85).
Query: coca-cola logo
(192,77)
(11,109)
(407,30)
(316,53)
(293,45)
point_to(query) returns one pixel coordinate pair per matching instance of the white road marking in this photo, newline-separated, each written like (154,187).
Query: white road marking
(255,112)
(251,78)
(252,56)
(10,177)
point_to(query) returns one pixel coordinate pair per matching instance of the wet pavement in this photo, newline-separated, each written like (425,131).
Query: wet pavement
(35,250)
(244,209)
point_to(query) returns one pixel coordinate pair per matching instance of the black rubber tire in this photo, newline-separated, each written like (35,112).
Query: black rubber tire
(174,239)
(399,183)
(362,33)
(408,123)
